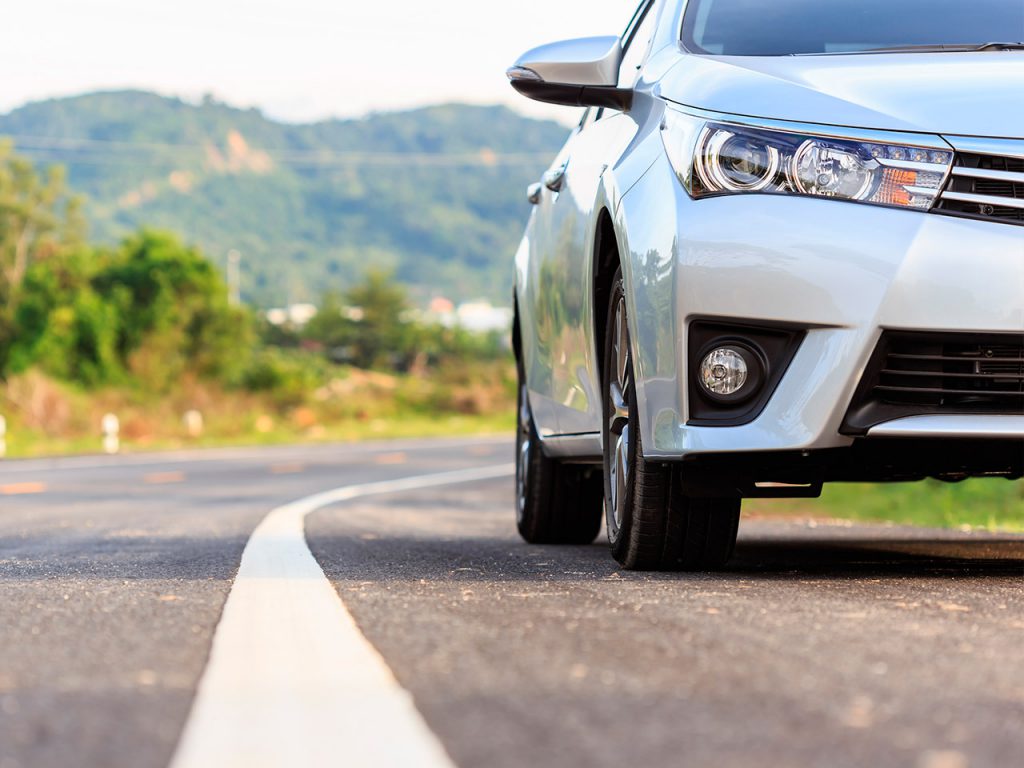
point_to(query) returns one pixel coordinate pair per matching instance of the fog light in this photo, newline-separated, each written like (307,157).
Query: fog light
(724,371)
(732,369)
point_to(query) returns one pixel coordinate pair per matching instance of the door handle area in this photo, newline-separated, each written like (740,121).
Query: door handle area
(554,178)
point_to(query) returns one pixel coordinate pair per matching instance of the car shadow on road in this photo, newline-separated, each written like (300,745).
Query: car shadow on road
(488,558)
(863,557)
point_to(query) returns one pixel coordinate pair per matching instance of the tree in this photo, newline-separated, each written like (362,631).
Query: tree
(332,328)
(150,311)
(174,312)
(383,336)
(367,325)
(63,325)
(39,221)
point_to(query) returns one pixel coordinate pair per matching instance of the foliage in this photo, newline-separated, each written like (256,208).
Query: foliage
(152,316)
(435,194)
(443,346)
(382,335)
(371,325)
(288,377)
(63,325)
(367,326)
(151,310)
(39,222)
(173,313)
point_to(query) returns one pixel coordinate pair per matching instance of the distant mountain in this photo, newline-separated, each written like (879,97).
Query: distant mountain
(436,193)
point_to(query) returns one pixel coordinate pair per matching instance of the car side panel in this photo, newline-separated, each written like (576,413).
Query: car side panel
(566,286)
(555,267)
(532,295)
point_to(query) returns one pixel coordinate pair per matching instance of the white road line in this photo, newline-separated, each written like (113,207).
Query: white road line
(291,681)
(208,455)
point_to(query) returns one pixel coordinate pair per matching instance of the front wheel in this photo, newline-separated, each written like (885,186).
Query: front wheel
(652,524)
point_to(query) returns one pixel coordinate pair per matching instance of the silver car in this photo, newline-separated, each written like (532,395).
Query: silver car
(783,247)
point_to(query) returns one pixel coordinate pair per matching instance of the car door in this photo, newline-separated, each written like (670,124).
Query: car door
(565,233)
(539,316)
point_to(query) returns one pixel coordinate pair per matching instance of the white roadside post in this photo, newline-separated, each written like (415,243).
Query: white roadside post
(111,427)
(193,423)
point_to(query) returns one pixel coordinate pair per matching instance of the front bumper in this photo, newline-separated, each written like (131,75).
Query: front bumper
(843,271)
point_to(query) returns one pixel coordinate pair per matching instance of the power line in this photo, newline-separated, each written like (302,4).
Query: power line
(87,150)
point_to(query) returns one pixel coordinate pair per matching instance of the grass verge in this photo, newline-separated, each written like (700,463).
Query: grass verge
(990,504)
(50,418)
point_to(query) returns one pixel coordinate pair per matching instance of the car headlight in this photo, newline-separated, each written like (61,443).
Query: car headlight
(719,158)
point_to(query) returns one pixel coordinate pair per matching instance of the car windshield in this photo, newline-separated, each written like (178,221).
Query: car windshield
(791,27)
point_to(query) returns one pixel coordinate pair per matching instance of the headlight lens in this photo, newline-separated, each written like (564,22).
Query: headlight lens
(740,163)
(722,158)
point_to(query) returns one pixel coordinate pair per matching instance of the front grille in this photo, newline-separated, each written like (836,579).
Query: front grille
(927,373)
(987,187)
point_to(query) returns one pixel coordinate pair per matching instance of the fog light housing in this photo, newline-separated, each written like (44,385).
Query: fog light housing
(734,367)
(730,372)
(724,372)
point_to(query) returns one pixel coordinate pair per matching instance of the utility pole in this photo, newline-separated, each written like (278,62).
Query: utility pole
(234,278)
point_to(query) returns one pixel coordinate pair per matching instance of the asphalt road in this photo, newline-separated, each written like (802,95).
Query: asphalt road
(822,645)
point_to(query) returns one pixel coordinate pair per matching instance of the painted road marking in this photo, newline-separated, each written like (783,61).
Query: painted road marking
(391,458)
(22,489)
(291,680)
(206,456)
(287,469)
(164,478)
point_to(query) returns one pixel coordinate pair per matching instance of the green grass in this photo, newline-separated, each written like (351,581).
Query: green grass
(988,504)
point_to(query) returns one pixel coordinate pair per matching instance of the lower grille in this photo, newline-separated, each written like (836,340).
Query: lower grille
(926,373)
(987,187)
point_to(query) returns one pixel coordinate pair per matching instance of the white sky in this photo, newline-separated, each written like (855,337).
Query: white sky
(298,60)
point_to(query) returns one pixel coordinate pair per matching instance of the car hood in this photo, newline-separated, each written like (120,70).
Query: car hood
(966,94)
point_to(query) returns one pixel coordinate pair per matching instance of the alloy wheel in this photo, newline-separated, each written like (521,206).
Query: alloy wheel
(619,396)
(523,446)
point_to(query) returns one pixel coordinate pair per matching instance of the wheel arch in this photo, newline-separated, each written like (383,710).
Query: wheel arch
(517,334)
(612,251)
(607,259)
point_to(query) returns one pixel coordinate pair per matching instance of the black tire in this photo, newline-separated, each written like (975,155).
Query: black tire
(555,503)
(652,525)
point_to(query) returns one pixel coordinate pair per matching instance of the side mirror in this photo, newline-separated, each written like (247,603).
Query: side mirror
(575,73)
(533,193)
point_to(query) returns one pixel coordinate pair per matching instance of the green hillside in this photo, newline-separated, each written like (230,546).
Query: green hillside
(436,193)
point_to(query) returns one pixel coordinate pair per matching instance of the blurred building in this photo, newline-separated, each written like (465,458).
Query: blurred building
(296,315)
(477,316)
(482,317)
